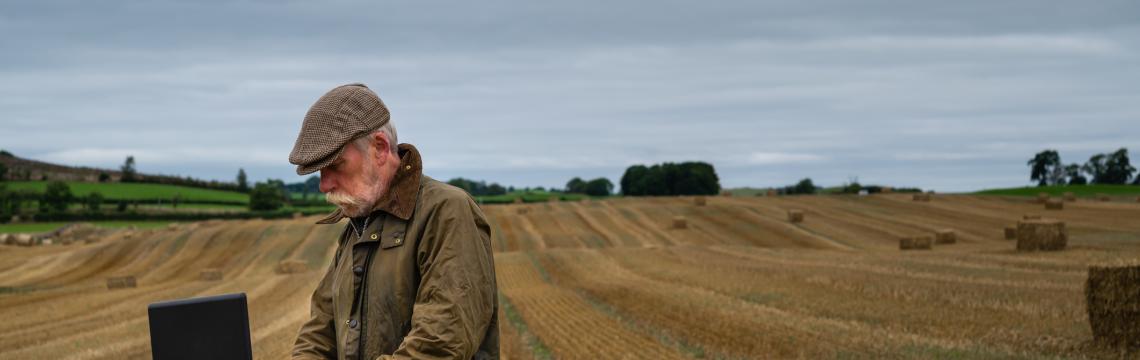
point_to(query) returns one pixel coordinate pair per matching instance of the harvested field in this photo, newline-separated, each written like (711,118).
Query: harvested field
(614,278)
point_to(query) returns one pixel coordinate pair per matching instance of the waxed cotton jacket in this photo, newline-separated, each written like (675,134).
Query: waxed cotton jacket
(418,283)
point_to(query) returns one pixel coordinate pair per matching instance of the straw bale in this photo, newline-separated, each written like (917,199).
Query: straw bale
(121,282)
(1010,232)
(1112,297)
(1042,197)
(945,236)
(921,242)
(795,216)
(292,267)
(679,222)
(1054,204)
(1070,197)
(210,275)
(700,201)
(1103,197)
(1041,234)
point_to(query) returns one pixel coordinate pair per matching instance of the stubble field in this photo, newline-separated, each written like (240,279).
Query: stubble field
(615,279)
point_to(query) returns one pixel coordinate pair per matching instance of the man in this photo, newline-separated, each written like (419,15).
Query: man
(413,275)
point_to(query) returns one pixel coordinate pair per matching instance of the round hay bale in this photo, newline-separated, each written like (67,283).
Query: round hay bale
(1042,197)
(47,242)
(1070,197)
(6,239)
(210,275)
(679,222)
(945,236)
(700,201)
(23,239)
(121,282)
(771,192)
(1010,232)
(795,216)
(1112,298)
(1041,234)
(292,267)
(1054,204)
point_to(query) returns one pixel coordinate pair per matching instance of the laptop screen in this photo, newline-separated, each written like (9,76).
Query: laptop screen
(214,327)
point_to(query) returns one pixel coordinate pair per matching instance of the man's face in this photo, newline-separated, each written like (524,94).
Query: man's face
(353,181)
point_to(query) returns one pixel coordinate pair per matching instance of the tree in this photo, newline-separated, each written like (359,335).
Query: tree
(104,177)
(3,172)
(242,182)
(576,186)
(598,187)
(1095,168)
(93,201)
(266,196)
(1117,168)
(1073,172)
(1043,167)
(56,197)
(805,186)
(128,170)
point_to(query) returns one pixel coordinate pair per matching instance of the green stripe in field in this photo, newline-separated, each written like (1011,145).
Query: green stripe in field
(49,226)
(137,191)
(1058,190)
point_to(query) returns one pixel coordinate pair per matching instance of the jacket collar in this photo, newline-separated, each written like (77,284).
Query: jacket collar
(402,193)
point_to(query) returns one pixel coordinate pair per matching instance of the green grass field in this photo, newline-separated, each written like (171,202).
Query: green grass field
(137,191)
(49,226)
(1078,190)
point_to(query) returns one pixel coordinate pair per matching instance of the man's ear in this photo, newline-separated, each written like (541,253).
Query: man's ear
(381,145)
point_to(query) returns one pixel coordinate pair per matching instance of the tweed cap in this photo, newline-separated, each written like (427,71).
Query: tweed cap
(341,115)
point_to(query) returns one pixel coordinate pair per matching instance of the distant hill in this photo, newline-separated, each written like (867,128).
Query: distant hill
(21,169)
(28,169)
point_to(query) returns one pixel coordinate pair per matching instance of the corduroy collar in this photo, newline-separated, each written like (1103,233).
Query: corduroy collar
(402,194)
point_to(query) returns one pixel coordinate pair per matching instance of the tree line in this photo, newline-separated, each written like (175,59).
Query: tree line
(687,178)
(1046,168)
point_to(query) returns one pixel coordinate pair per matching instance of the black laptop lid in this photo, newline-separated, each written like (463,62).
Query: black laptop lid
(214,327)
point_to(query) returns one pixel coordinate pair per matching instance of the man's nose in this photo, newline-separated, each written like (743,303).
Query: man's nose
(326,182)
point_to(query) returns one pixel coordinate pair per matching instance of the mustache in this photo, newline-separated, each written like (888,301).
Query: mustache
(344,200)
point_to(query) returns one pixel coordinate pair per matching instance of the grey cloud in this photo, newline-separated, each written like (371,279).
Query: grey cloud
(949,95)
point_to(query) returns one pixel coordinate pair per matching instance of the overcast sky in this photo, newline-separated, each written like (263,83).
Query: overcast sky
(944,95)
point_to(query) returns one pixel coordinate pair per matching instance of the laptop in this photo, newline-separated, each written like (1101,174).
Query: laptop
(213,327)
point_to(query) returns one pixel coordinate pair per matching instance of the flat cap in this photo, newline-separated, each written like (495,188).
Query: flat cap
(341,115)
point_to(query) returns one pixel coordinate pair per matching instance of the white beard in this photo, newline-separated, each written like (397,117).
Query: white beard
(357,206)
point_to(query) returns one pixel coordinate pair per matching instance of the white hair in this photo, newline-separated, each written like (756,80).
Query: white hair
(389,131)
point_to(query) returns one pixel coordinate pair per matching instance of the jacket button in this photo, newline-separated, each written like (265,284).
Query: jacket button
(358,270)
(351,323)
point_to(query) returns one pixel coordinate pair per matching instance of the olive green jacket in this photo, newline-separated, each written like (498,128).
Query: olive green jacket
(419,283)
